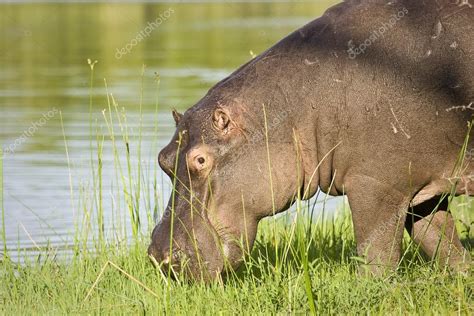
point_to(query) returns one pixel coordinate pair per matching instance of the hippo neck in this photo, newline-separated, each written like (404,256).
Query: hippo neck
(307,85)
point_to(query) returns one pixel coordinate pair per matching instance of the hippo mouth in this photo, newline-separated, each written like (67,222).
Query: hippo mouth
(183,268)
(199,250)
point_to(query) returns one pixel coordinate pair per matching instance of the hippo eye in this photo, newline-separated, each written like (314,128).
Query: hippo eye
(199,160)
(200,163)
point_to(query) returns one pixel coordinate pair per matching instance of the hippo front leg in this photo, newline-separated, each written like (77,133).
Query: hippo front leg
(432,228)
(378,215)
(437,236)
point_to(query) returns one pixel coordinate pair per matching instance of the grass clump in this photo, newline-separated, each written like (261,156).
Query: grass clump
(120,279)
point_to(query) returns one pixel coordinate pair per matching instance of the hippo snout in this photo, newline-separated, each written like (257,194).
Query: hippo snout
(185,244)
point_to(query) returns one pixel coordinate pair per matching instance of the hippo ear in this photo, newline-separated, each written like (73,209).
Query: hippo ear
(221,120)
(177,116)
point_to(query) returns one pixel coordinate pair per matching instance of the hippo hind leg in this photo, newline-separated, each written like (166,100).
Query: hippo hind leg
(432,227)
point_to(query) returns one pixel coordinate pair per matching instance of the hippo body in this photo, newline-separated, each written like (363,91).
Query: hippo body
(372,100)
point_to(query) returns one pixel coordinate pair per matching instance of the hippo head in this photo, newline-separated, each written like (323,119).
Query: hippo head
(232,162)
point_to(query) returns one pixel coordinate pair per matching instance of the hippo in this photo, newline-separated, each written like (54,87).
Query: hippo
(373,100)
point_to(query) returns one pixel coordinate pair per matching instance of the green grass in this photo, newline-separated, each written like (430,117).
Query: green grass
(260,286)
(299,264)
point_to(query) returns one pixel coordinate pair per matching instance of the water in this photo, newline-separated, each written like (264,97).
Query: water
(44,86)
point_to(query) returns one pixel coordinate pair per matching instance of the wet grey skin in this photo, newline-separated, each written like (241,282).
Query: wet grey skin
(373,100)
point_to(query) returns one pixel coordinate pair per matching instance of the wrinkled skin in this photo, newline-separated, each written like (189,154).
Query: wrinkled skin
(386,128)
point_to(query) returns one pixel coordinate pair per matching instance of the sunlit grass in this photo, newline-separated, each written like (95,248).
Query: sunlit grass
(121,279)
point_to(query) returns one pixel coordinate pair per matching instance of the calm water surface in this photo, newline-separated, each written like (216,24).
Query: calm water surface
(44,101)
